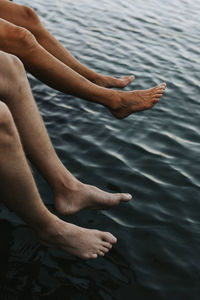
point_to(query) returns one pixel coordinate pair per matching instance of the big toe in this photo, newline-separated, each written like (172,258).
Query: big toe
(124,197)
(115,199)
(109,238)
(125,80)
(160,87)
(128,79)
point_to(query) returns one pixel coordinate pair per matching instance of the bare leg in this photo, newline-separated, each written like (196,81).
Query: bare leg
(70,194)
(47,68)
(26,17)
(19,193)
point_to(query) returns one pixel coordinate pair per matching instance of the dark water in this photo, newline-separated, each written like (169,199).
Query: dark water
(153,155)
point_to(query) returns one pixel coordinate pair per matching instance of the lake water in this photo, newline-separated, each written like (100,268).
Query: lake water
(154,155)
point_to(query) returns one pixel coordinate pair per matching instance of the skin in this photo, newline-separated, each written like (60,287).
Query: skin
(57,68)
(26,17)
(70,195)
(22,195)
(22,34)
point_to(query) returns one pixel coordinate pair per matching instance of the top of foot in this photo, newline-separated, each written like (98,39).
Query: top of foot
(109,81)
(81,242)
(135,101)
(70,201)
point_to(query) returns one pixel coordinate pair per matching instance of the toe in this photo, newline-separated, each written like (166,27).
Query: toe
(152,90)
(105,250)
(157,95)
(154,101)
(122,82)
(107,245)
(162,87)
(119,197)
(128,78)
(101,253)
(159,89)
(93,255)
(87,256)
(125,197)
(109,238)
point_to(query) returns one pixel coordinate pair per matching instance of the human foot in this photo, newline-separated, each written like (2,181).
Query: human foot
(136,101)
(109,81)
(81,196)
(81,242)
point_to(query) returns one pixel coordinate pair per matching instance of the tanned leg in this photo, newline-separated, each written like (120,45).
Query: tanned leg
(70,194)
(20,42)
(26,17)
(19,193)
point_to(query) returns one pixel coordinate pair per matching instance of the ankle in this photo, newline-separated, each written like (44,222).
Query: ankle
(44,220)
(66,183)
(112,99)
(116,101)
(100,80)
(50,230)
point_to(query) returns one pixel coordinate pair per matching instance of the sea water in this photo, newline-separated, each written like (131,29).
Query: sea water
(154,155)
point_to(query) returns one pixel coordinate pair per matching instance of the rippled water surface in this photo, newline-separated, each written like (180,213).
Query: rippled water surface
(153,155)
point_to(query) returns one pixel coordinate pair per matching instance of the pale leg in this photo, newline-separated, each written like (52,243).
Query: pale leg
(70,195)
(19,193)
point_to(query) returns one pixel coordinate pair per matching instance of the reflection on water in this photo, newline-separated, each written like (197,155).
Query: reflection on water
(152,155)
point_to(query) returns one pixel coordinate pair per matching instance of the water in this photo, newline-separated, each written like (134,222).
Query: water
(153,155)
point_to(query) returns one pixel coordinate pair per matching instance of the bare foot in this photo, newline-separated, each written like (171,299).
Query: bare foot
(70,201)
(81,242)
(108,81)
(136,101)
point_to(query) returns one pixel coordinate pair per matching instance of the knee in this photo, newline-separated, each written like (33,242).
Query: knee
(30,17)
(16,39)
(10,62)
(8,132)
(11,71)
(5,119)
(24,39)
(15,65)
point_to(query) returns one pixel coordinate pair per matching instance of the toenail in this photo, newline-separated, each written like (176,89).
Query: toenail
(129,196)
(114,239)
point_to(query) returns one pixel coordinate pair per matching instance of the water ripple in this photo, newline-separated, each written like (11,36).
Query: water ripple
(153,155)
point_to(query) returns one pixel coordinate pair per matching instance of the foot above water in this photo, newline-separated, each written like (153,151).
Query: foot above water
(81,242)
(82,196)
(112,82)
(135,101)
